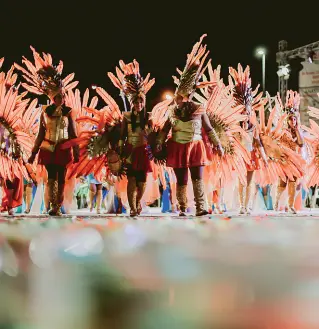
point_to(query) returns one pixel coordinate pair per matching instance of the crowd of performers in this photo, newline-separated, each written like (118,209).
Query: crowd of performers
(211,139)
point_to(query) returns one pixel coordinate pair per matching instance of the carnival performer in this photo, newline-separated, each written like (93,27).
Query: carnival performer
(17,114)
(100,151)
(134,129)
(292,138)
(186,150)
(56,124)
(225,116)
(313,141)
(251,102)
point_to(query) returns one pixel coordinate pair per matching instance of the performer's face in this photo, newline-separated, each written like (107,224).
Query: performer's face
(179,101)
(138,105)
(58,99)
(292,122)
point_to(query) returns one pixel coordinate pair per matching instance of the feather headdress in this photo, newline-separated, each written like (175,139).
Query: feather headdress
(243,94)
(43,77)
(130,81)
(195,66)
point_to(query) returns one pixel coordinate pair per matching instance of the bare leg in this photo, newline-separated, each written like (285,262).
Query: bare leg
(98,198)
(249,189)
(292,185)
(280,189)
(92,193)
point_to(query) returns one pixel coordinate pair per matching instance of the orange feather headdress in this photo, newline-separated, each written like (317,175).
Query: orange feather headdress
(194,69)
(43,77)
(130,81)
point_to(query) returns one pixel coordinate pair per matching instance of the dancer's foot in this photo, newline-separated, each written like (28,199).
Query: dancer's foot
(242,211)
(133,213)
(218,211)
(10,212)
(292,210)
(139,208)
(182,214)
(248,212)
(55,211)
(27,211)
(201,213)
(98,211)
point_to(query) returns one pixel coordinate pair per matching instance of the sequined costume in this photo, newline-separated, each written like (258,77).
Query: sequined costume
(56,124)
(189,126)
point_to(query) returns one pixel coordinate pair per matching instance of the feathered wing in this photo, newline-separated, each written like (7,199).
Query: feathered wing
(312,141)
(283,162)
(225,117)
(18,124)
(97,154)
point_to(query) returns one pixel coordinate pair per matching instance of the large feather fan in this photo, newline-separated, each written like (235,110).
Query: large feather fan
(18,124)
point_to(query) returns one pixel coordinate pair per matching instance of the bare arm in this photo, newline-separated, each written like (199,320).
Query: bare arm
(72,134)
(300,138)
(257,142)
(40,137)
(213,137)
(123,134)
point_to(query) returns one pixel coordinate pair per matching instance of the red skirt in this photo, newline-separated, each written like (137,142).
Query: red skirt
(254,162)
(140,159)
(17,187)
(187,155)
(58,157)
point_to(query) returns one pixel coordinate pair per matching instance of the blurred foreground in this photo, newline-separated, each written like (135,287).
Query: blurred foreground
(243,273)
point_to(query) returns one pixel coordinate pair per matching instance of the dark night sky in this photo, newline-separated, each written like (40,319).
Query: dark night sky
(92,38)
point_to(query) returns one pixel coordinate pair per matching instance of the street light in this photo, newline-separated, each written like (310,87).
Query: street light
(168,96)
(262,53)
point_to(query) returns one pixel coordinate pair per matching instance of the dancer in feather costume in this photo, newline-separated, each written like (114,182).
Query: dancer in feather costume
(17,121)
(282,145)
(313,142)
(134,129)
(250,102)
(225,118)
(186,149)
(56,123)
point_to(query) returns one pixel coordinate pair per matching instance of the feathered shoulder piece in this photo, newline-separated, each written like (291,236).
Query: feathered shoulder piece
(130,81)
(242,91)
(194,69)
(43,77)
